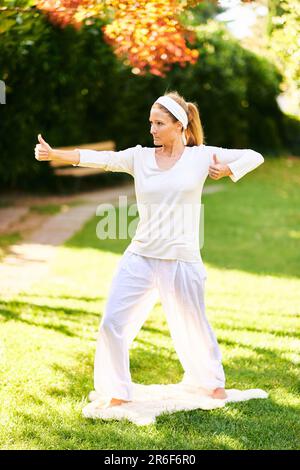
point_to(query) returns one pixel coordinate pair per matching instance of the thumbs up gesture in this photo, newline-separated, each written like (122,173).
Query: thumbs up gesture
(218,170)
(42,150)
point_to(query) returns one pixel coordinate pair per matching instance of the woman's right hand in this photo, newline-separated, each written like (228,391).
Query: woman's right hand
(42,150)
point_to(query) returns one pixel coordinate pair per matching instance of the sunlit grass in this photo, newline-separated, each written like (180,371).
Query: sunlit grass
(6,240)
(252,300)
(46,208)
(52,209)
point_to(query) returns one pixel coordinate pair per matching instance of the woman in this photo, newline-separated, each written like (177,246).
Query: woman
(168,185)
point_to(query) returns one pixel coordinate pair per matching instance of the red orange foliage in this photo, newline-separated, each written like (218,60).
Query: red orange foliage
(145,34)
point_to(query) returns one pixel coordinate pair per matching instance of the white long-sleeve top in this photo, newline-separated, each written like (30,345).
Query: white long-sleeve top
(169,201)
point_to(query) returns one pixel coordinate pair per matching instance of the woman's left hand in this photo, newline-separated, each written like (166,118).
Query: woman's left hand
(218,170)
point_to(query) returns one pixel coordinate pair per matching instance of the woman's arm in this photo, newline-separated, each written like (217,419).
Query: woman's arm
(234,163)
(70,156)
(122,161)
(108,160)
(43,152)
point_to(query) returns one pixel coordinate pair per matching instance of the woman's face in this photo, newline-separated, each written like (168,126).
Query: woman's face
(163,129)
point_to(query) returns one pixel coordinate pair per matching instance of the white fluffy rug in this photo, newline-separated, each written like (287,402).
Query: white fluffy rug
(150,401)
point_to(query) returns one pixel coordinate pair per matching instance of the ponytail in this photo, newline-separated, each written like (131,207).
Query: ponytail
(194,131)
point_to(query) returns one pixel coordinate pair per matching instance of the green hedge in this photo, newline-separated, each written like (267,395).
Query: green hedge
(69,86)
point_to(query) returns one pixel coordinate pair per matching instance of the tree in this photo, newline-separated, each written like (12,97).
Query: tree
(148,34)
(284,44)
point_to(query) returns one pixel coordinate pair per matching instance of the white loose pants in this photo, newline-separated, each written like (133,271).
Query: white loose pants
(136,286)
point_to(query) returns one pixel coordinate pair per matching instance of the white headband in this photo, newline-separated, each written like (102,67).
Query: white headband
(174,108)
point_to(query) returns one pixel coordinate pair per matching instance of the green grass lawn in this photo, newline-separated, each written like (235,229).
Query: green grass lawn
(252,255)
(7,240)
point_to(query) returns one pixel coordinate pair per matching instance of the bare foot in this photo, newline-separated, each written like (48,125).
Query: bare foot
(219,393)
(102,404)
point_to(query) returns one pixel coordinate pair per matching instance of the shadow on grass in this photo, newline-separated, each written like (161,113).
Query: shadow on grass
(279,333)
(45,316)
(268,364)
(52,318)
(65,297)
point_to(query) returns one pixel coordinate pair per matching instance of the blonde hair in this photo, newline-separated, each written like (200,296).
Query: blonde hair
(194,132)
